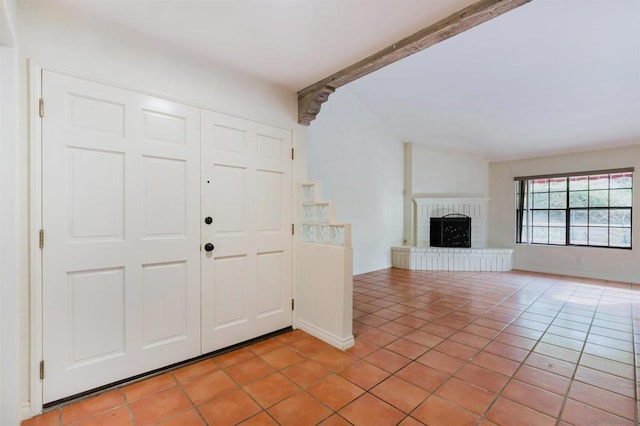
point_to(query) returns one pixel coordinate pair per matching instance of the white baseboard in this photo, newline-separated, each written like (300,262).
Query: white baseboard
(333,340)
(578,273)
(25,411)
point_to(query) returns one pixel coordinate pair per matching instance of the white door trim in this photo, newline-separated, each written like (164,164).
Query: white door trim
(35,254)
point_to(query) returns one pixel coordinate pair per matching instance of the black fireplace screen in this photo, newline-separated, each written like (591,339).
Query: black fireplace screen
(452,230)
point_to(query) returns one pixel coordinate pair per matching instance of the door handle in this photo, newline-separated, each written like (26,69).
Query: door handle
(209,247)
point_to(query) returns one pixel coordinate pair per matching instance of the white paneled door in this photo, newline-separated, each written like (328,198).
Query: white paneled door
(120,214)
(246,193)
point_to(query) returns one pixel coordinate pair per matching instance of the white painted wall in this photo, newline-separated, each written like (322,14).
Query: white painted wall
(438,173)
(325,301)
(359,163)
(51,33)
(8,20)
(611,264)
(11,274)
(9,219)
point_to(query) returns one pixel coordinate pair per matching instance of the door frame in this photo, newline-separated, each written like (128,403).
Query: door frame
(35,254)
(35,283)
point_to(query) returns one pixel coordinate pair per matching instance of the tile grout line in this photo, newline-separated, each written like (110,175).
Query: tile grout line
(635,357)
(557,313)
(540,303)
(575,371)
(392,374)
(301,389)
(622,362)
(531,351)
(184,392)
(469,361)
(128,405)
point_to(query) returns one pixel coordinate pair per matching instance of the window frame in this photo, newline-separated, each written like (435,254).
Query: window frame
(525,207)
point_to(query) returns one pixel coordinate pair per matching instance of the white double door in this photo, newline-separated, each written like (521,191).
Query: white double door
(126,288)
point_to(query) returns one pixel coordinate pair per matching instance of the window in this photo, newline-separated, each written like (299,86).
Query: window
(578,209)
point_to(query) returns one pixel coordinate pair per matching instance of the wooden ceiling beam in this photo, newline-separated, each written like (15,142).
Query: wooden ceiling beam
(311,98)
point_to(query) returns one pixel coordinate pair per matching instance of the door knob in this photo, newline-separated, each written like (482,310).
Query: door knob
(208,220)
(208,247)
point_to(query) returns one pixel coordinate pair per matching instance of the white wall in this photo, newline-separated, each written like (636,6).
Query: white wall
(439,172)
(8,21)
(51,33)
(611,264)
(326,293)
(431,172)
(359,164)
(9,219)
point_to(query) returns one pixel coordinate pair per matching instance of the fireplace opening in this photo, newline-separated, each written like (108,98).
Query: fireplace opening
(452,230)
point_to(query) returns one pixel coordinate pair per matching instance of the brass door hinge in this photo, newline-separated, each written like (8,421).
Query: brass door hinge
(42,370)
(293,154)
(293,229)
(293,304)
(41,238)
(41,107)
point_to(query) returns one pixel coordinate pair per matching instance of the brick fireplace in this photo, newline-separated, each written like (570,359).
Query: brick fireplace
(426,207)
(423,256)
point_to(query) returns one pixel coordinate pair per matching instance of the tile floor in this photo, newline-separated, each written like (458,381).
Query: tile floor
(432,348)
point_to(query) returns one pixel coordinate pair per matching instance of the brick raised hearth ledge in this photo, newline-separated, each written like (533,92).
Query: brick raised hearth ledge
(452,259)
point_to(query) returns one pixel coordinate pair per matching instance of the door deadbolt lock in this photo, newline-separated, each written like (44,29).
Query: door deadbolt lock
(209,247)
(208,220)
